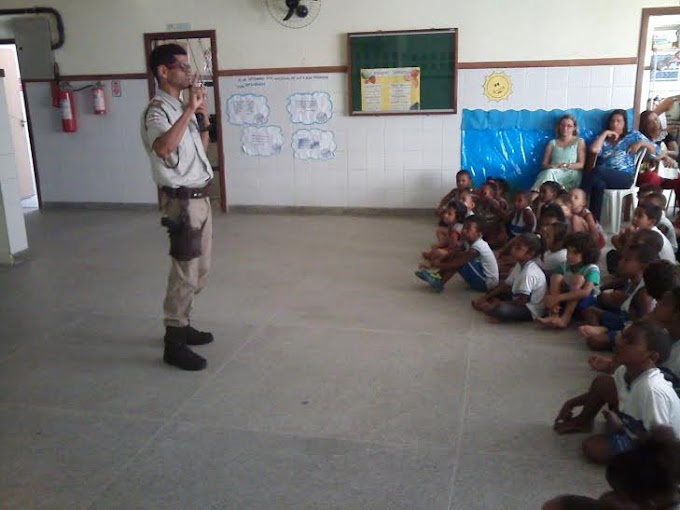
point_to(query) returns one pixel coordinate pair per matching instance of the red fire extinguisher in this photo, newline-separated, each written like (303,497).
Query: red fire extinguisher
(98,100)
(68,111)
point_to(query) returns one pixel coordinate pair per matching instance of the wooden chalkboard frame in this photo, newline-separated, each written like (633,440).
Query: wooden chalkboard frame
(353,79)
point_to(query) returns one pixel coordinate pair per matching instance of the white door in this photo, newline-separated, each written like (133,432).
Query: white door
(18,125)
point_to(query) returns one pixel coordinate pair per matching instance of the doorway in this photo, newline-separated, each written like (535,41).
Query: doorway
(201,49)
(18,119)
(658,61)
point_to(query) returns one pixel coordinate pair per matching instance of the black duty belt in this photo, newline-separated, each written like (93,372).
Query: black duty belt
(185,193)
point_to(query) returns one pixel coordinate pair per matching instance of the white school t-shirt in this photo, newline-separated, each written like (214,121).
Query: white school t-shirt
(488,261)
(673,361)
(666,252)
(530,281)
(554,259)
(650,399)
(672,237)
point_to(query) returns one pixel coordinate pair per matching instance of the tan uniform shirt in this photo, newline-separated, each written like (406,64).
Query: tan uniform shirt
(188,166)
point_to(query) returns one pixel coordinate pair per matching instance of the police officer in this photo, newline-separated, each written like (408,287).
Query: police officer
(177,151)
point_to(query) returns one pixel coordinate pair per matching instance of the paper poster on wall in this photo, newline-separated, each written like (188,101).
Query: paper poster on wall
(310,108)
(314,144)
(262,141)
(247,109)
(390,89)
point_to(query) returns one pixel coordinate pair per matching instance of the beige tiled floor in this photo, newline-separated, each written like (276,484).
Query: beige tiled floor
(337,381)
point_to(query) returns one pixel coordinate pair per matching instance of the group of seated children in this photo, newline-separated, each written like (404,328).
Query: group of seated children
(540,262)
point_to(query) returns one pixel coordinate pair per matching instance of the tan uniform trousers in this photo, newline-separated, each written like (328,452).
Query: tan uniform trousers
(186,279)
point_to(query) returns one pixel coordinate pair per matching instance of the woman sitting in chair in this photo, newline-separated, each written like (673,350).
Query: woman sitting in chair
(615,165)
(650,126)
(563,158)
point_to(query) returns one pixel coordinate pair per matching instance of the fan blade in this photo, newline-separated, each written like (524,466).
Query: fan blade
(291,11)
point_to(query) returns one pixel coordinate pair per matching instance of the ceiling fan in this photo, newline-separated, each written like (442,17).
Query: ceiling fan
(294,13)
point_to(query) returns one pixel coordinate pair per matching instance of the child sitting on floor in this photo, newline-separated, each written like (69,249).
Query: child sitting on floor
(574,222)
(579,201)
(553,232)
(448,238)
(643,478)
(468,198)
(463,182)
(490,209)
(475,262)
(664,225)
(645,217)
(574,285)
(523,219)
(662,281)
(520,296)
(546,194)
(628,300)
(637,395)
(502,194)
(667,313)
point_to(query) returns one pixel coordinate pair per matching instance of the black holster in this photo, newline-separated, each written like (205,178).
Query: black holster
(185,241)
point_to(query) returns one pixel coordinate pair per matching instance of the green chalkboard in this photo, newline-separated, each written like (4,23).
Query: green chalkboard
(426,58)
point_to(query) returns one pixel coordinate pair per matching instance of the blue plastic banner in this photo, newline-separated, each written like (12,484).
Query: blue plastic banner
(510,144)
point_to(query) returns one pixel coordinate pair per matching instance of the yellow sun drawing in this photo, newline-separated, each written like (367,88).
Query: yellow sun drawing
(497,86)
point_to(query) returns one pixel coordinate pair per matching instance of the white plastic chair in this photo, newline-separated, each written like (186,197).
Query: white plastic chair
(668,173)
(612,201)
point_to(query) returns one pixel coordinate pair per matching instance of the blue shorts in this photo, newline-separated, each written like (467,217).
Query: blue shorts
(586,302)
(619,442)
(611,334)
(614,320)
(473,274)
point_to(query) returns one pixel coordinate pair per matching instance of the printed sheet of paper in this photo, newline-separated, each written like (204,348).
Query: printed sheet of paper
(306,108)
(394,89)
(247,109)
(314,144)
(262,141)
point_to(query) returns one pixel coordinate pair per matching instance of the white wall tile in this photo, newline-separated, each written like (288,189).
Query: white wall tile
(363,197)
(622,97)
(558,77)
(413,140)
(394,179)
(556,99)
(358,179)
(394,160)
(578,97)
(375,159)
(432,159)
(602,76)
(601,98)
(393,198)
(413,160)
(579,76)
(357,159)
(624,76)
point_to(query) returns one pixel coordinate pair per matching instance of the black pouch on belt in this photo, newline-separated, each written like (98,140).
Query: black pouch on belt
(185,241)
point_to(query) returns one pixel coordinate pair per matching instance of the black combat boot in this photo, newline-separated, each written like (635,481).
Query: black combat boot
(177,353)
(196,337)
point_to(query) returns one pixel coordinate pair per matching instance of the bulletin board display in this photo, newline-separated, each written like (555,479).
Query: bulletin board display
(403,72)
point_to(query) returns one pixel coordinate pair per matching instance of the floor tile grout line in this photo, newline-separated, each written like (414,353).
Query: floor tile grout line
(461,429)
(82,413)
(171,418)
(290,435)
